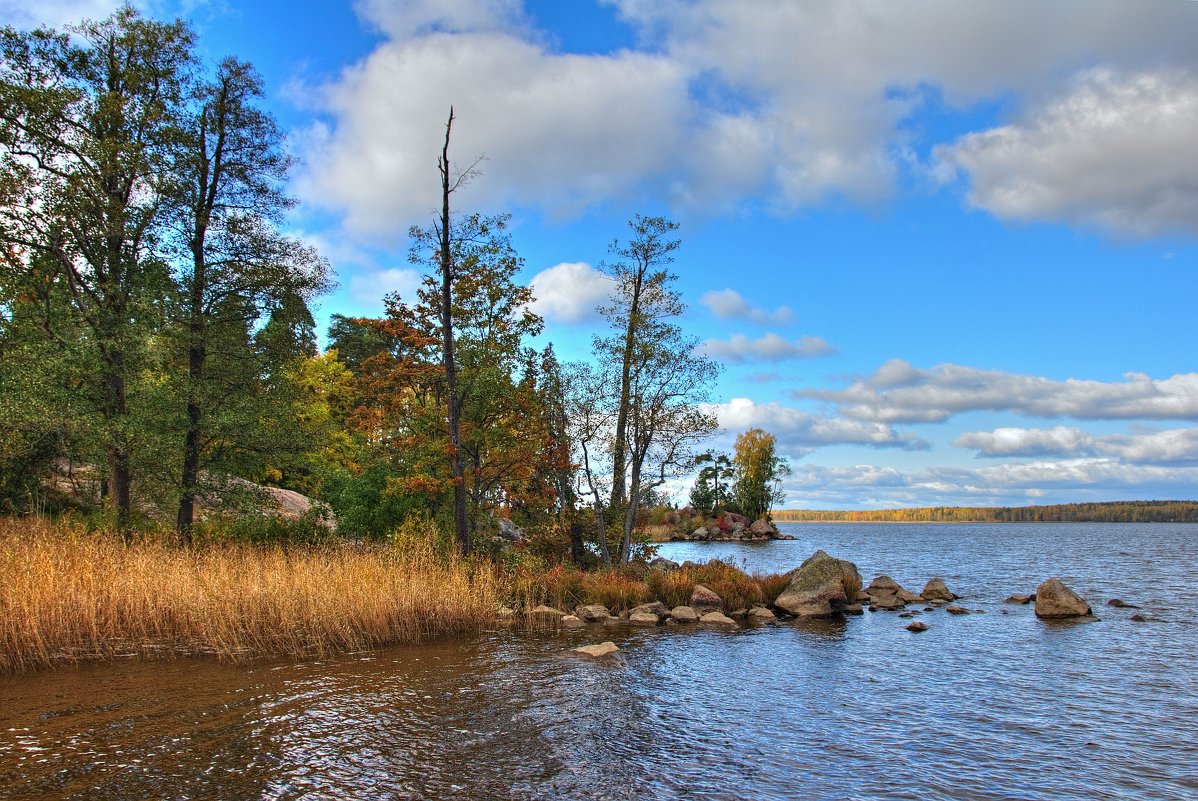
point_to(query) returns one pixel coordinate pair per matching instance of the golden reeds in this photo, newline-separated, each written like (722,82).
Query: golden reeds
(67,594)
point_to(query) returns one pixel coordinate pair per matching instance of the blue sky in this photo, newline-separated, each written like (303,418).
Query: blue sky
(947,251)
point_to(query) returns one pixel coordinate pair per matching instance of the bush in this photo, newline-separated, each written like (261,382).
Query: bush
(772,585)
(263,530)
(735,587)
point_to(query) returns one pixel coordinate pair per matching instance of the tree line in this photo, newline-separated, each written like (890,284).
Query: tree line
(1099,512)
(155,326)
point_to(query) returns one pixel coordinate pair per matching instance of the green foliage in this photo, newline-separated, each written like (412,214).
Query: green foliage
(263,530)
(759,472)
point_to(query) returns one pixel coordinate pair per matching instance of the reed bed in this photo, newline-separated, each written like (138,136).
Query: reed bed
(67,595)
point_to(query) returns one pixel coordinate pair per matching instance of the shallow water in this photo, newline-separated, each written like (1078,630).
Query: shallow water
(986,706)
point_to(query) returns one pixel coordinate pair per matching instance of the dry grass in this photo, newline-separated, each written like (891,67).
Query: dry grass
(66,595)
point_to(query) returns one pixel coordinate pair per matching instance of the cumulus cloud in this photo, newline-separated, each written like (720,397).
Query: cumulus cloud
(1116,152)
(788,103)
(799,432)
(1013,484)
(899,393)
(569,292)
(728,304)
(1059,441)
(1174,446)
(558,131)
(768,348)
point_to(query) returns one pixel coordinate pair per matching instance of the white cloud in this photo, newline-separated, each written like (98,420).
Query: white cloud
(1115,152)
(569,292)
(1041,482)
(1178,446)
(559,132)
(53,13)
(937,394)
(799,432)
(788,103)
(728,304)
(768,348)
(1059,441)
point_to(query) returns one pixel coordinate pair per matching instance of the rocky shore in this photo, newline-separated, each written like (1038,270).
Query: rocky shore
(821,587)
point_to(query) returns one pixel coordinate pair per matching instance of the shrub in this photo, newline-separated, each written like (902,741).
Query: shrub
(772,585)
(735,587)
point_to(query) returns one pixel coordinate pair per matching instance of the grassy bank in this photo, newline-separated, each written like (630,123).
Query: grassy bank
(67,594)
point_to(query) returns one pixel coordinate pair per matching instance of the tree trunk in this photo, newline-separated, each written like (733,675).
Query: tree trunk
(619,461)
(460,523)
(120,475)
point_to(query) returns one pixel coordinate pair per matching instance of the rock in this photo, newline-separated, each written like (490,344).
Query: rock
(656,608)
(853,609)
(701,533)
(510,532)
(686,512)
(908,597)
(643,619)
(717,618)
(862,597)
(572,622)
(1118,604)
(738,529)
(787,537)
(1019,599)
(602,649)
(733,518)
(684,614)
(1055,600)
(883,585)
(672,518)
(738,614)
(761,613)
(763,528)
(820,587)
(888,603)
(663,564)
(1138,618)
(917,626)
(593,613)
(703,598)
(546,613)
(935,590)
(956,610)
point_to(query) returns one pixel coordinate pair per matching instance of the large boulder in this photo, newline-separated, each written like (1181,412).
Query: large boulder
(733,518)
(510,532)
(1055,600)
(820,587)
(763,528)
(936,590)
(882,585)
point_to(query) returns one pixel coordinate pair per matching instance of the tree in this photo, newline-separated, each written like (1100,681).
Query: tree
(642,302)
(711,489)
(759,473)
(227,175)
(86,123)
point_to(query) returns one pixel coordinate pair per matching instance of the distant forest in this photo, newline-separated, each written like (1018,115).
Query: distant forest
(1109,512)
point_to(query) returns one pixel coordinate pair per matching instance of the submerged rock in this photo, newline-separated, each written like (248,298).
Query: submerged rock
(917,626)
(820,587)
(602,649)
(956,610)
(572,622)
(1118,604)
(761,613)
(1055,600)
(1019,599)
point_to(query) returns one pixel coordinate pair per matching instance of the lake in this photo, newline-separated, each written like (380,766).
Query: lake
(997,705)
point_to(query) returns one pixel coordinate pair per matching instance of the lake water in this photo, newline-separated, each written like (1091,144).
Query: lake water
(997,705)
